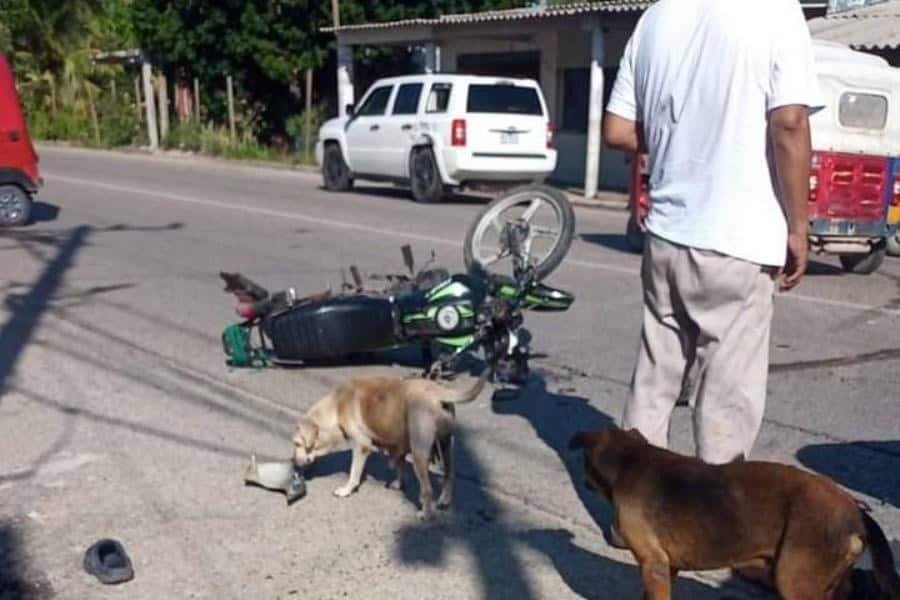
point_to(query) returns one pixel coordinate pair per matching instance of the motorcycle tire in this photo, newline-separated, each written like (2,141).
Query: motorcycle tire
(552,196)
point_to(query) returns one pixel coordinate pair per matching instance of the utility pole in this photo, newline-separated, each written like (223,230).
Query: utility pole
(307,127)
(163,106)
(197,98)
(150,105)
(231,109)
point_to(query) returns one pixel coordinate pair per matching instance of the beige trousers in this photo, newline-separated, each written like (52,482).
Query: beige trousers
(704,340)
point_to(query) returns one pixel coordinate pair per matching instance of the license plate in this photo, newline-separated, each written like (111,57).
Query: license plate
(507,137)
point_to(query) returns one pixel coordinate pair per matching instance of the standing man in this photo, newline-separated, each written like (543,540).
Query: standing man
(718,93)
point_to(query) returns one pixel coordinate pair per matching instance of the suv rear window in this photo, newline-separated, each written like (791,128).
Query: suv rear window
(865,111)
(439,98)
(504,99)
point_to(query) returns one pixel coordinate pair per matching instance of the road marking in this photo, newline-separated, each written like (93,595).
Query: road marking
(406,235)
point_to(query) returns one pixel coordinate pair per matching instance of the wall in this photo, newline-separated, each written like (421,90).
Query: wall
(564,47)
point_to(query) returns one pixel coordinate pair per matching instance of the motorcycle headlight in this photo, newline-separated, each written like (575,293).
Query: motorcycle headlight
(447,318)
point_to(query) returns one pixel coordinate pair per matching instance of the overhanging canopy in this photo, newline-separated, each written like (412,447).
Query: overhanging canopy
(874,27)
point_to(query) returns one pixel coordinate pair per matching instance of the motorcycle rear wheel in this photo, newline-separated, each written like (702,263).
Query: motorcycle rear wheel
(544,214)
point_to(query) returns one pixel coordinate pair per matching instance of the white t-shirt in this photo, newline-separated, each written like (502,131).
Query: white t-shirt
(701,76)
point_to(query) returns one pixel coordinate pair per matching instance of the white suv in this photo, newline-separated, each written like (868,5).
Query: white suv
(439,132)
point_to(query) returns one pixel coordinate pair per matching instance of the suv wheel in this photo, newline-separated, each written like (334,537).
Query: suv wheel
(335,171)
(424,177)
(15,206)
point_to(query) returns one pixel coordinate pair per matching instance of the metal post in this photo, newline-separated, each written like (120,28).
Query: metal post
(197,97)
(163,107)
(150,106)
(231,109)
(595,116)
(137,96)
(307,127)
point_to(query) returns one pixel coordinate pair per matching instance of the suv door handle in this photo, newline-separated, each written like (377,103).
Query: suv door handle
(374,128)
(406,127)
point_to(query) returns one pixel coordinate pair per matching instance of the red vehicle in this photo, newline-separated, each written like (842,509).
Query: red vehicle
(19,176)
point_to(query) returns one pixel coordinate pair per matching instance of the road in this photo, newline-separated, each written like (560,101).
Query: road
(119,417)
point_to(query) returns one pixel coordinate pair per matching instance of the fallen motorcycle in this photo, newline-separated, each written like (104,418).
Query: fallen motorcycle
(451,314)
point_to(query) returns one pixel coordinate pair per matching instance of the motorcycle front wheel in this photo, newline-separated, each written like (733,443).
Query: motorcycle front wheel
(535,221)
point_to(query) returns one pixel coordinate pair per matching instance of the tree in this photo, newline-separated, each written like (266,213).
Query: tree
(265,45)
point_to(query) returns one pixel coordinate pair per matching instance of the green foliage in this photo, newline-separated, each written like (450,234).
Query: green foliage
(211,140)
(265,45)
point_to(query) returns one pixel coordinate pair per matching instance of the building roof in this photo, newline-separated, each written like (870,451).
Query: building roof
(875,27)
(515,14)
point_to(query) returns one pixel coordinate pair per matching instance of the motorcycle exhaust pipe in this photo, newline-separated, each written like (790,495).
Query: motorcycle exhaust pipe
(278,476)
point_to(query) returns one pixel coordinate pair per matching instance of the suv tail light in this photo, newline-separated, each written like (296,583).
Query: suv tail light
(458,132)
(895,199)
(550,143)
(814,172)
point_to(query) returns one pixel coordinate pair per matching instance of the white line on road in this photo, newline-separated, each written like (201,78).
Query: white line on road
(411,236)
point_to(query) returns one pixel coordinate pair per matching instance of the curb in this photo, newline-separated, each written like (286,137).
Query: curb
(178,155)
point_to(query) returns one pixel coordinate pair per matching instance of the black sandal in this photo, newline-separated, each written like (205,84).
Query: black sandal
(107,561)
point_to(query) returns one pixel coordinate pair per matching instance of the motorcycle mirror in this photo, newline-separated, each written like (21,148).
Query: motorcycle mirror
(408,258)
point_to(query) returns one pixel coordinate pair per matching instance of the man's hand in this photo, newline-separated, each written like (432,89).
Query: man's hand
(797,260)
(789,131)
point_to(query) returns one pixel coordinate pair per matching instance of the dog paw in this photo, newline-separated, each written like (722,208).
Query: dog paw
(443,503)
(425,514)
(344,491)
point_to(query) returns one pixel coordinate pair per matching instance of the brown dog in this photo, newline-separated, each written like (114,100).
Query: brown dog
(678,513)
(398,416)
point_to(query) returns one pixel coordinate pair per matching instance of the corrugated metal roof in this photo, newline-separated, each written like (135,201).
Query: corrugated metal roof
(515,14)
(875,27)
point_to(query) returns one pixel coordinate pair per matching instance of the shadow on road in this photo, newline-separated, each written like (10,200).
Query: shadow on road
(871,468)
(17,580)
(613,241)
(478,523)
(403,194)
(596,577)
(555,418)
(21,325)
(43,212)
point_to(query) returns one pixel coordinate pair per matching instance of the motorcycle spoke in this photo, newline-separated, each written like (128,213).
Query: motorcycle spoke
(494,259)
(532,209)
(544,232)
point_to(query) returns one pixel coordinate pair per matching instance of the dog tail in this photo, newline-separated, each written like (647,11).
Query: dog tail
(882,557)
(469,395)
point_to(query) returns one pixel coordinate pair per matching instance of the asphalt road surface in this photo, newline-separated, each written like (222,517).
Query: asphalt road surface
(119,417)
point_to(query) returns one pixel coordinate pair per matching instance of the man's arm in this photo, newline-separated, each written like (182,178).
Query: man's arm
(623,134)
(789,131)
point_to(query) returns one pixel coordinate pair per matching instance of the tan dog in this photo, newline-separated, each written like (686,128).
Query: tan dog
(398,416)
(678,513)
